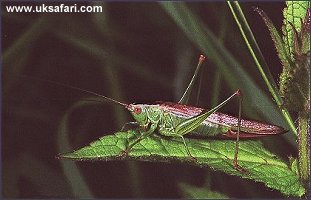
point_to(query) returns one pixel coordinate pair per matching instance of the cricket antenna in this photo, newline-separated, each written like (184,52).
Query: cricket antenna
(78,89)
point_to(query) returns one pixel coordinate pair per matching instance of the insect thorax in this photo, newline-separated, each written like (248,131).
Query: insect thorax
(154,114)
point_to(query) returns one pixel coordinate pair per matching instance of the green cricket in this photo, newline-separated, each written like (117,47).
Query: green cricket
(177,120)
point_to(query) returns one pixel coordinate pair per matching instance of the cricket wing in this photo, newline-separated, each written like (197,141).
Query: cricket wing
(249,128)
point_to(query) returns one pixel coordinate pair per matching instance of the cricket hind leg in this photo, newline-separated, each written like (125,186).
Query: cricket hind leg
(236,150)
(190,124)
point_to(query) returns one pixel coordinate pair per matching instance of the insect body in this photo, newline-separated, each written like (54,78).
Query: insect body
(177,120)
(168,115)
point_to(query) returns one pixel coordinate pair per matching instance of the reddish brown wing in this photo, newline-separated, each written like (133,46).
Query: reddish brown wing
(249,128)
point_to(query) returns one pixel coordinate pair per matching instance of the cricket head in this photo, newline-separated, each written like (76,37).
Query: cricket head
(139,113)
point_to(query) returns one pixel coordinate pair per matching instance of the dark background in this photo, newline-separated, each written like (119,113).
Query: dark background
(133,52)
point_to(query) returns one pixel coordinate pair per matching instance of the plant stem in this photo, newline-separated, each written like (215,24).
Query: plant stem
(304,148)
(259,60)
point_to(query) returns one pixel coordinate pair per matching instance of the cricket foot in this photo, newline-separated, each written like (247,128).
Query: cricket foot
(124,153)
(239,168)
(192,159)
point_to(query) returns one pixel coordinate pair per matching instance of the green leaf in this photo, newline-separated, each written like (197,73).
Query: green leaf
(262,166)
(293,163)
(294,13)
(294,80)
(282,50)
(292,50)
(193,192)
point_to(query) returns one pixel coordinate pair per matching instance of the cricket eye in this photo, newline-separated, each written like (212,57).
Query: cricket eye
(137,110)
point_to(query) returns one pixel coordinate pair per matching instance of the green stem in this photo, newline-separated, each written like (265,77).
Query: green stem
(259,59)
(304,148)
(216,90)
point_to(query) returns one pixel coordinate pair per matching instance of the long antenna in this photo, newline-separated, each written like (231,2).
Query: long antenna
(76,88)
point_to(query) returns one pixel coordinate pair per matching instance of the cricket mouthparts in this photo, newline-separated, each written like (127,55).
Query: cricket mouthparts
(130,107)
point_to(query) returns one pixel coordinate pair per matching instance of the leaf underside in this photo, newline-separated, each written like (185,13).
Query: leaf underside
(261,165)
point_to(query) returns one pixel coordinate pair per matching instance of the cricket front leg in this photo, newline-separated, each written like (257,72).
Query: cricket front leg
(145,134)
(185,96)
(130,126)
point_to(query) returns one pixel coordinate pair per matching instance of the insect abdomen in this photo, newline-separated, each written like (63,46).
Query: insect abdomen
(209,130)
(206,129)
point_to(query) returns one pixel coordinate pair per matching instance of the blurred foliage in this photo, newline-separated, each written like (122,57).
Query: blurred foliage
(133,52)
(193,192)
